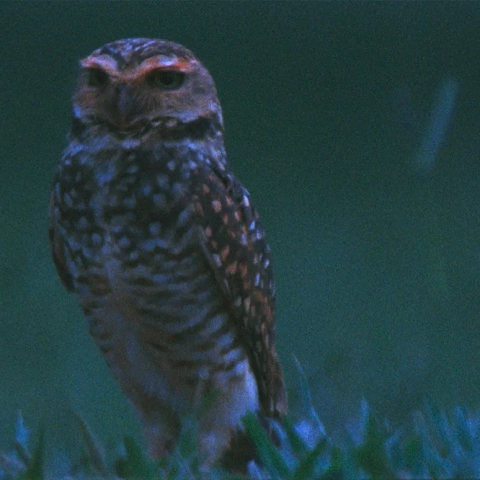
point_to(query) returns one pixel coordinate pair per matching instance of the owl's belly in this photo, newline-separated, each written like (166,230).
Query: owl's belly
(169,364)
(164,328)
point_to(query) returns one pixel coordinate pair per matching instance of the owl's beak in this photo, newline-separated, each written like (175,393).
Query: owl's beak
(126,105)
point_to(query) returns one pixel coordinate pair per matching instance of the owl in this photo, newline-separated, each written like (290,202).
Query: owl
(163,248)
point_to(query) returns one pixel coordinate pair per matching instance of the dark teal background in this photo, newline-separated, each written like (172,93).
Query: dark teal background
(325,106)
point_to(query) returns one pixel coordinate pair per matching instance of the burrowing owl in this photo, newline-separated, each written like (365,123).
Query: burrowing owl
(162,247)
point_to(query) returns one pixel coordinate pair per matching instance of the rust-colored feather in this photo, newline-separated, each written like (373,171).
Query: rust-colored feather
(235,245)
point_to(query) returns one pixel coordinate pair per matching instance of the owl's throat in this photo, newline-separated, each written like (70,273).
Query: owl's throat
(164,127)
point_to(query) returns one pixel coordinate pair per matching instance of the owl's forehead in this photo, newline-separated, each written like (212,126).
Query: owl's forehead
(132,52)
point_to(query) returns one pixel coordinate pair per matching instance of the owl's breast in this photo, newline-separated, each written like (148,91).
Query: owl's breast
(130,205)
(140,272)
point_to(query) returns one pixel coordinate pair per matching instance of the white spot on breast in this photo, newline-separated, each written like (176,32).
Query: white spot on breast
(96,239)
(184,218)
(130,143)
(129,202)
(154,228)
(132,169)
(67,199)
(105,173)
(146,190)
(82,224)
(74,245)
(178,190)
(162,181)
(148,245)
(159,200)
(124,242)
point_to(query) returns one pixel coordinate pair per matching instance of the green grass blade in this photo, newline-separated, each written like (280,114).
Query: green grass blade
(270,457)
(307,468)
(94,450)
(135,464)
(35,470)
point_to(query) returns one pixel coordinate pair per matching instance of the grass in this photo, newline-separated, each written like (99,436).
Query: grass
(434,444)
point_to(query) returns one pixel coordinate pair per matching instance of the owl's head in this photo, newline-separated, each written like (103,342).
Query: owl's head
(140,81)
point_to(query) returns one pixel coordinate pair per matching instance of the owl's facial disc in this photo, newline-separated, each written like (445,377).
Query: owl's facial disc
(160,88)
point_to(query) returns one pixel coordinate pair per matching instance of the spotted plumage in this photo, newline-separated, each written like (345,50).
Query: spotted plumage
(162,246)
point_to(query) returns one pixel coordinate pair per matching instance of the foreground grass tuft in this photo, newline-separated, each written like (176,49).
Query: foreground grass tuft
(435,444)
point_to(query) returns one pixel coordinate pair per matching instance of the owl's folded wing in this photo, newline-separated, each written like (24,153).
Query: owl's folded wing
(234,244)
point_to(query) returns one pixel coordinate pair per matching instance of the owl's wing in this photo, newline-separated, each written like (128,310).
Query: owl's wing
(56,245)
(234,244)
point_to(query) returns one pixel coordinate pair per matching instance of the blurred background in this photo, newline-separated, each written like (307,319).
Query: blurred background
(355,126)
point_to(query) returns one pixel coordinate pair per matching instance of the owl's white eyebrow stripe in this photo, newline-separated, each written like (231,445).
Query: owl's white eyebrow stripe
(105,62)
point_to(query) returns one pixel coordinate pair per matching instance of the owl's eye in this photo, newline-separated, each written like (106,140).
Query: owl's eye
(165,79)
(97,77)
